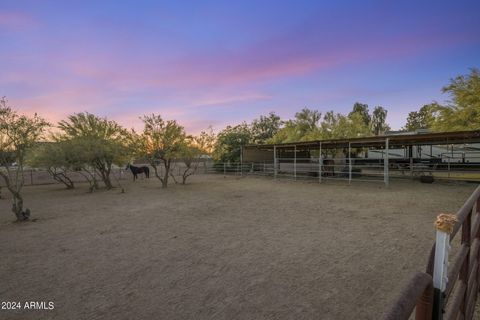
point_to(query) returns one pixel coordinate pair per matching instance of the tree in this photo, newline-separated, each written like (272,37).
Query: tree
(307,120)
(193,150)
(53,156)
(18,134)
(108,142)
(303,127)
(265,128)
(362,110)
(230,141)
(379,121)
(423,118)
(161,142)
(338,126)
(464,111)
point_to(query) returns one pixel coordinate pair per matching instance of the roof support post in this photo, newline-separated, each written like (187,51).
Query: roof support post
(385,164)
(275,162)
(295,162)
(320,162)
(349,163)
(241,161)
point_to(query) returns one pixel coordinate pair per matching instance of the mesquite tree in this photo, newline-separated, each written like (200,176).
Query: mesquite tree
(55,158)
(18,134)
(104,140)
(192,152)
(160,143)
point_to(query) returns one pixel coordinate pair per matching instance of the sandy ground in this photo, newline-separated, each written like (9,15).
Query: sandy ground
(219,248)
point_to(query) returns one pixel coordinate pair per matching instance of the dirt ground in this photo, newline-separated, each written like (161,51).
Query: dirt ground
(219,248)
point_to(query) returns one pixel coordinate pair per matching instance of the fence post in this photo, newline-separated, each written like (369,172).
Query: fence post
(385,164)
(349,162)
(295,162)
(275,162)
(31,177)
(320,162)
(423,308)
(444,225)
(224,169)
(241,161)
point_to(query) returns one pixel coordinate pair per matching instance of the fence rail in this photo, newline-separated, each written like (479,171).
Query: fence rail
(33,177)
(457,300)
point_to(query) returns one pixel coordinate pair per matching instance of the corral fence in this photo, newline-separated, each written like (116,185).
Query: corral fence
(448,289)
(347,169)
(37,176)
(33,177)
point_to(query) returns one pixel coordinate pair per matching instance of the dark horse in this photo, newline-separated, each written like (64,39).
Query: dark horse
(137,170)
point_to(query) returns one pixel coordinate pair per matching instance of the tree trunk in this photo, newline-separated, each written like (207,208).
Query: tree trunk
(17,201)
(108,183)
(106,178)
(17,207)
(166,174)
(62,178)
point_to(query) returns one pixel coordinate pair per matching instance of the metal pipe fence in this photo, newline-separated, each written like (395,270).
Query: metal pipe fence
(346,169)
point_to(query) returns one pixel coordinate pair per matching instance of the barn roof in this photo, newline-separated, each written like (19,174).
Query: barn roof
(438,138)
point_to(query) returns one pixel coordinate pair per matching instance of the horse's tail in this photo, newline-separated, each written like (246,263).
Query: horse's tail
(147,172)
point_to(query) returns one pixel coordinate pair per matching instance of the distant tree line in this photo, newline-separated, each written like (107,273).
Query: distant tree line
(461,113)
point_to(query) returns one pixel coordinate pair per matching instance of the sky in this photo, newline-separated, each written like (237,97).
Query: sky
(220,63)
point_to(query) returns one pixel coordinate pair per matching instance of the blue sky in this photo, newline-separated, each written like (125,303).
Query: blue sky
(222,62)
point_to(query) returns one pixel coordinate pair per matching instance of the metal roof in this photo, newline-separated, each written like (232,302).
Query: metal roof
(455,137)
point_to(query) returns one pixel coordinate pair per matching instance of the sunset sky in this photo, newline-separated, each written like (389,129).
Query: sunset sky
(222,62)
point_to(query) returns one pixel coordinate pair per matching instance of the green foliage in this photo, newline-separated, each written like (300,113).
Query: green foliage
(103,142)
(423,118)
(303,127)
(464,113)
(362,110)
(307,126)
(56,158)
(338,126)
(379,121)
(229,142)
(265,128)
(18,134)
(161,141)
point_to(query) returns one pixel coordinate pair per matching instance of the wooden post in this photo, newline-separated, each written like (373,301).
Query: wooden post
(224,169)
(465,270)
